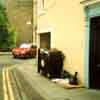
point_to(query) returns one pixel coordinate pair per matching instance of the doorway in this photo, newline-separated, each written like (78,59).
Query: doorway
(94,53)
(45,40)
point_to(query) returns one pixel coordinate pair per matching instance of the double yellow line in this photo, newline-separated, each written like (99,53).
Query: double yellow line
(7,86)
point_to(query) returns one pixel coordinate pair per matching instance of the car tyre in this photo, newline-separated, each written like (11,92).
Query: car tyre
(14,56)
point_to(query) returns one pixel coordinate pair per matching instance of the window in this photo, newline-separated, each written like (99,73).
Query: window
(40,7)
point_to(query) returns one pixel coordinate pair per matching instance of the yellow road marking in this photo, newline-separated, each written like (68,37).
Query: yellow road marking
(4,85)
(7,88)
(9,85)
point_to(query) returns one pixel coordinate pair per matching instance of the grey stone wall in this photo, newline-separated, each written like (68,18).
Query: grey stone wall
(19,12)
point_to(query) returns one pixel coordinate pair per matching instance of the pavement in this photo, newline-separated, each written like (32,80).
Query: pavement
(5,53)
(22,82)
(36,87)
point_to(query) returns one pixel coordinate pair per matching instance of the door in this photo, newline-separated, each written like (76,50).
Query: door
(45,40)
(94,56)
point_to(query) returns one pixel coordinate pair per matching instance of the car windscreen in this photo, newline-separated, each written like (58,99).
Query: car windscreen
(25,46)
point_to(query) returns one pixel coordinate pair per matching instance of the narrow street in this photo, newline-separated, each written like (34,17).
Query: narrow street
(19,80)
(13,86)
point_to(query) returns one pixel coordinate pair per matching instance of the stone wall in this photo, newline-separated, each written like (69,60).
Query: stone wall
(19,13)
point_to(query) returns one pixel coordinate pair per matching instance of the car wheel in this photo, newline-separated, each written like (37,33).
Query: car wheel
(14,56)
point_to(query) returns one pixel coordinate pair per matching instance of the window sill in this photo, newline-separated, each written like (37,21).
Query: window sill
(41,12)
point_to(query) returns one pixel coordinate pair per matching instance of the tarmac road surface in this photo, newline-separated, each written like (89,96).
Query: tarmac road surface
(13,85)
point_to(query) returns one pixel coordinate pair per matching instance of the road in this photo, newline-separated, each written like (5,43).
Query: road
(13,85)
(8,59)
(5,62)
(19,80)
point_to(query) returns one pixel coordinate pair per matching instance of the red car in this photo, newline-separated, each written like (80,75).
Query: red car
(25,51)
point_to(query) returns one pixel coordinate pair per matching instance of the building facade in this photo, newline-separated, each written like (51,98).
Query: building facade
(20,15)
(65,20)
(74,28)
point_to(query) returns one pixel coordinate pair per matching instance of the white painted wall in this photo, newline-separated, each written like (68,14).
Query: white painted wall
(66,21)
